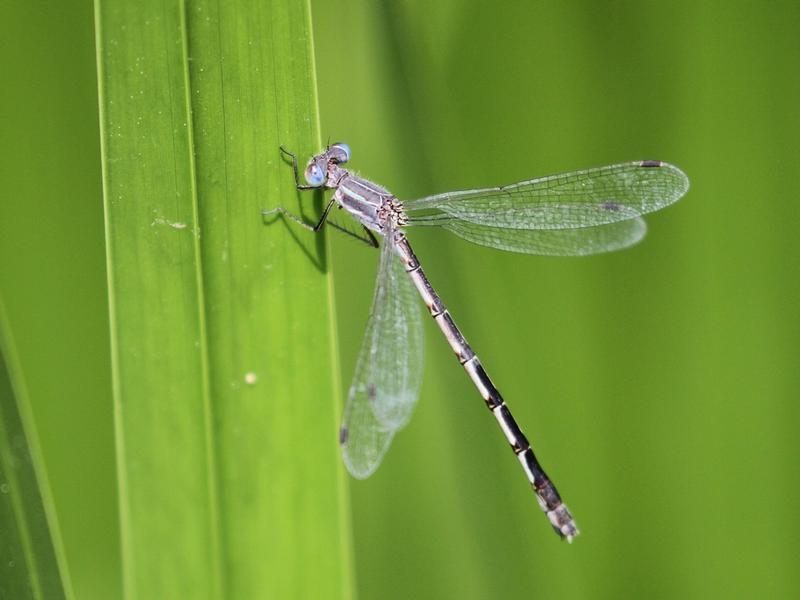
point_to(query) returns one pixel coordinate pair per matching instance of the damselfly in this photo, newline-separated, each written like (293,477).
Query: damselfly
(579,213)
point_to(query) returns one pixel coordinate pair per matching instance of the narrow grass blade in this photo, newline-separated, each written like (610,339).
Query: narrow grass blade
(31,558)
(222,339)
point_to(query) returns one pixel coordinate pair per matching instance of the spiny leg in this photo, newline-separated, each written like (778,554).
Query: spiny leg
(297,183)
(369,240)
(372,240)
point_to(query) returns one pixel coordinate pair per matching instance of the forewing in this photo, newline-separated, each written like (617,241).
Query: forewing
(576,200)
(388,372)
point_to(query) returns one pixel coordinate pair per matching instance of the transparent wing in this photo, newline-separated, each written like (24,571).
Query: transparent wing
(551,242)
(388,371)
(576,200)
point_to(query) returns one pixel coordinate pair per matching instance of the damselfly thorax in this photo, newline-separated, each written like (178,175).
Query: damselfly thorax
(368,202)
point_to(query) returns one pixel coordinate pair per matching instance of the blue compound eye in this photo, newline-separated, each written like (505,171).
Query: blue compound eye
(314,175)
(340,151)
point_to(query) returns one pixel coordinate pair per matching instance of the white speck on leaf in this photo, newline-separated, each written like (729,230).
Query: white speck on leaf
(173,224)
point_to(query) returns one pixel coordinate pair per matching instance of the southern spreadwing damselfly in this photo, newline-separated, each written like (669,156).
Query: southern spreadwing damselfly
(571,214)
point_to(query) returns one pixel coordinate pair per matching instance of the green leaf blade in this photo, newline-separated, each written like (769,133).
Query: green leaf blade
(223,344)
(32,563)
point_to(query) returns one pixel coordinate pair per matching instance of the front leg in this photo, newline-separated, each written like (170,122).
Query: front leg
(297,183)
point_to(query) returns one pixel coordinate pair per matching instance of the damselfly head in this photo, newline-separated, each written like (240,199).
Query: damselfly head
(317,171)
(339,153)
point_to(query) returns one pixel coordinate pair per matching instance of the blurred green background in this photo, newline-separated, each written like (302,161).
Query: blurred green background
(658,385)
